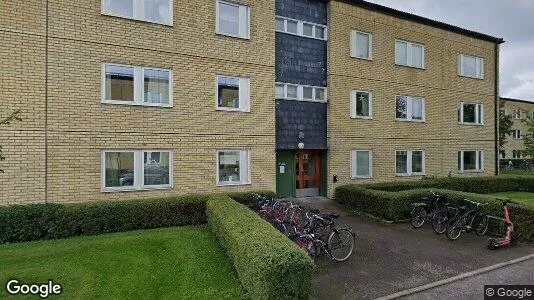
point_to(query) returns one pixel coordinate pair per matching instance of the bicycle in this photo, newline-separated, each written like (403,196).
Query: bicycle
(466,220)
(433,208)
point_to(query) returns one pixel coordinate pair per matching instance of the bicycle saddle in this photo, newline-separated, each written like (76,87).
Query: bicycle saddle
(462,207)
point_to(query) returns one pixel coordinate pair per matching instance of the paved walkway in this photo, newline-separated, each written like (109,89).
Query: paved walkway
(392,258)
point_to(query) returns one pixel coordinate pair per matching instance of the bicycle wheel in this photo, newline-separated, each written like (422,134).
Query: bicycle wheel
(480,223)
(454,228)
(439,221)
(319,228)
(308,244)
(341,244)
(418,216)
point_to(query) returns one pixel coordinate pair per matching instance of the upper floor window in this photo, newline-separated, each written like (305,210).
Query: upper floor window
(123,84)
(410,108)
(233,167)
(517,113)
(361,164)
(470,161)
(517,134)
(361,104)
(361,45)
(470,113)
(300,28)
(233,19)
(409,54)
(470,66)
(300,92)
(136,169)
(410,163)
(233,93)
(155,11)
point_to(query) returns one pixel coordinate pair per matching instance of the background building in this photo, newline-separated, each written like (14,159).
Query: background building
(143,99)
(520,110)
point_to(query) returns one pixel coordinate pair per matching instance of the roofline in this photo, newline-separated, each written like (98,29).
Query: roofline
(408,16)
(516,100)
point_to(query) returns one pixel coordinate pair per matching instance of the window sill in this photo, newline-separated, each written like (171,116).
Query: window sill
(362,177)
(130,103)
(233,36)
(470,171)
(227,109)
(411,67)
(304,36)
(362,118)
(471,77)
(410,175)
(363,58)
(470,124)
(133,189)
(410,121)
(136,19)
(223,184)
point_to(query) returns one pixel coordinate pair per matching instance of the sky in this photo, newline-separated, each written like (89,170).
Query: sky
(512,20)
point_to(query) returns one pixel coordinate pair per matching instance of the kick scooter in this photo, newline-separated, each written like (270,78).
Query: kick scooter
(511,236)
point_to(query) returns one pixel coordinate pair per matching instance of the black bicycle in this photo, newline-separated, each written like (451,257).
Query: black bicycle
(433,208)
(468,219)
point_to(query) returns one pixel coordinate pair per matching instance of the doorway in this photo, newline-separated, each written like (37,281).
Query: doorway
(307,173)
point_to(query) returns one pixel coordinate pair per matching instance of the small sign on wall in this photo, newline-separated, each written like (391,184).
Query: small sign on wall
(282,168)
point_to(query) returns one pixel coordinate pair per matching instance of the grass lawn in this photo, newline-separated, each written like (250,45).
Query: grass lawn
(517,172)
(525,198)
(170,263)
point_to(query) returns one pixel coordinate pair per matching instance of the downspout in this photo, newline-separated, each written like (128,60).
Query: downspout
(46,105)
(497,112)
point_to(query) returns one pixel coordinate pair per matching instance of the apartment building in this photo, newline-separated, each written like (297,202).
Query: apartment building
(520,110)
(142,99)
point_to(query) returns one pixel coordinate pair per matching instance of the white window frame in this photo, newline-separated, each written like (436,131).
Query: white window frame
(244,25)
(517,134)
(409,110)
(353,103)
(138,12)
(139,86)
(409,57)
(409,159)
(244,156)
(516,154)
(354,164)
(139,171)
(479,165)
(300,28)
(244,94)
(479,113)
(300,92)
(479,66)
(353,45)
(517,114)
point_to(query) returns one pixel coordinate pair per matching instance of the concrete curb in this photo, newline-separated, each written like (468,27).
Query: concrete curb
(455,278)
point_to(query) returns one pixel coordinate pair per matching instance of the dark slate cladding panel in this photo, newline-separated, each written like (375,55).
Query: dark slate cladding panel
(304,10)
(300,60)
(295,116)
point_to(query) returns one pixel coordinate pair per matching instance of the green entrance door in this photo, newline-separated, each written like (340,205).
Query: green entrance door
(285,173)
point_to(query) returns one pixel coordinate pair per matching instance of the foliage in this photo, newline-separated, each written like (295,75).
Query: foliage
(505,125)
(15,116)
(268,264)
(528,138)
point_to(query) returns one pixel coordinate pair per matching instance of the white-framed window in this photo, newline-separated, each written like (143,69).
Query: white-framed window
(517,113)
(361,164)
(134,85)
(410,108)
(233,167)
(517,134)
(516,153)
(470,161)
(154,11)
(470,113)
(233,93)
(300,92)
(409,54)
(361,104)
(361,45)
(409,163)
(233,19)
(125,170)
(470,66)
(301,28)
(503,154)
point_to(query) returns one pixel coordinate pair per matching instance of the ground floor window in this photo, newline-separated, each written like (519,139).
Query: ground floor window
(410,163)
(136,169)
(470,161)
(516,153)
(233,167)
(361,164)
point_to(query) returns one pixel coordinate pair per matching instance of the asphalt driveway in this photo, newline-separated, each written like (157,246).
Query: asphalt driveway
(389,258)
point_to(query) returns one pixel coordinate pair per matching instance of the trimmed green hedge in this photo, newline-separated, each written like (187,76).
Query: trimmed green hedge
(478,185)
(268,264)
(21,223)
(246,197)
(397,205)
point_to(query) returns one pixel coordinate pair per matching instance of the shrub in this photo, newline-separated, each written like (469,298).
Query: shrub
(268,264)
(21,223)
(397,205)
(246,197)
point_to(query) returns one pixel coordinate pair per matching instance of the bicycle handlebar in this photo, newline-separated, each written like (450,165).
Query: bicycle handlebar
(476,203)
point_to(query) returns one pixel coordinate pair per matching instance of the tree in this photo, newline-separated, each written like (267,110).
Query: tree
(528,138)
(505,125)
(15,116)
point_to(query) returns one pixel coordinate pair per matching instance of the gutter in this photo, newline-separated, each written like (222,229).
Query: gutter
(497,112)
(46,104)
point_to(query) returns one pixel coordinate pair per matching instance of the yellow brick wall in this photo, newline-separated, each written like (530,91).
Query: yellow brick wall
(512,143)
(440,136)
(80,127)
